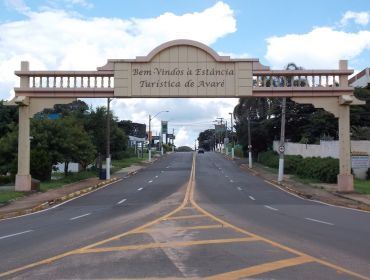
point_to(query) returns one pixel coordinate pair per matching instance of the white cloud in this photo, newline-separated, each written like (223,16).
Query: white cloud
(361,18)
(235,55)
(58,39)
(322,47)
(82,3)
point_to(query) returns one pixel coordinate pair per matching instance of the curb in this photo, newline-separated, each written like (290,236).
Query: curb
(360,205)
(56,201)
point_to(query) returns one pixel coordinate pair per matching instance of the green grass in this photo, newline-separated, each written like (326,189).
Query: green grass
(126,162)
(5,196)
(74,177)
(362,186)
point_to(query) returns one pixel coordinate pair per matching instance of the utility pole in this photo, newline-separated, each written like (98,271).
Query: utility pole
(107,162)
(232,136)
(282,142)
(150,141)
(173,140)
(249,142)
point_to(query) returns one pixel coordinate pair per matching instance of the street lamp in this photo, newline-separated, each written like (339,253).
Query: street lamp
(150,133)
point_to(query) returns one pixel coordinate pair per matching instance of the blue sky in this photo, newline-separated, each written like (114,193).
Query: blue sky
(82,34)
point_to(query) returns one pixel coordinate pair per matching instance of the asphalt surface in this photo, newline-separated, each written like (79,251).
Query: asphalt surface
(187,217)
(107,211)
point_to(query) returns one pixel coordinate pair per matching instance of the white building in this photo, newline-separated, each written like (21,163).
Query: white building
(362,79)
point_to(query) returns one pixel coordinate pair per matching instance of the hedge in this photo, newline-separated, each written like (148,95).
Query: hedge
(322,169)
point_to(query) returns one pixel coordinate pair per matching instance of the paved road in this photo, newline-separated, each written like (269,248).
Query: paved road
(96,216)
(214,221)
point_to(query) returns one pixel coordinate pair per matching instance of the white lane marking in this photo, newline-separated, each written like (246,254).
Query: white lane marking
(227,176)
(15,234)
(121,201)
(156,176)
(321,222)
(231,181)
(271,208)
(167,167)
(139,189)
(251,197)
(151,181)
(78,217)
(60,204)
(162,171)
(239,188)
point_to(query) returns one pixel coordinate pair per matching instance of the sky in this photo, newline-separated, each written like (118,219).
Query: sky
(83,34)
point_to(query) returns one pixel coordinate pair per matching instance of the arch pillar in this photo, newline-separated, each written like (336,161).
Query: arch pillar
(340,108)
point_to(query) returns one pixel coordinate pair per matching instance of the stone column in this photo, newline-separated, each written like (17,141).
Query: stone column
(345,178)
(23,177)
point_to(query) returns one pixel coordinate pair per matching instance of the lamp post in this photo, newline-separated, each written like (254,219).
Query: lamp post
(150,134)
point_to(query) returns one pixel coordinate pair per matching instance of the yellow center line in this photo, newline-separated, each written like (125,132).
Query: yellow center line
(160,229)
(261,268)
(166,245)
(272,243)
(188,199)
(184,217)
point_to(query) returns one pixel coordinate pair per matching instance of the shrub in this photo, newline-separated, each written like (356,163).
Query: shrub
(238,151)
(269,158)
(5,180)
(323,169)
(291,162)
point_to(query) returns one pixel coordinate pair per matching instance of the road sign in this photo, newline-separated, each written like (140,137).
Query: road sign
(282,149)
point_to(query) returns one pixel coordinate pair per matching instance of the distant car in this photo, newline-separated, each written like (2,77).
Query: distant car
(200,151)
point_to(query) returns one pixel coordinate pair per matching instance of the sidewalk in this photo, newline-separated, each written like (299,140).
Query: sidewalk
(39,201)
(321,192)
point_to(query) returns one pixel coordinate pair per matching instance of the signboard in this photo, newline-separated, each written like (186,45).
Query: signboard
(157,138)
(183,68)
(164,127)
(219,128)
(360,162)
(170,136)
